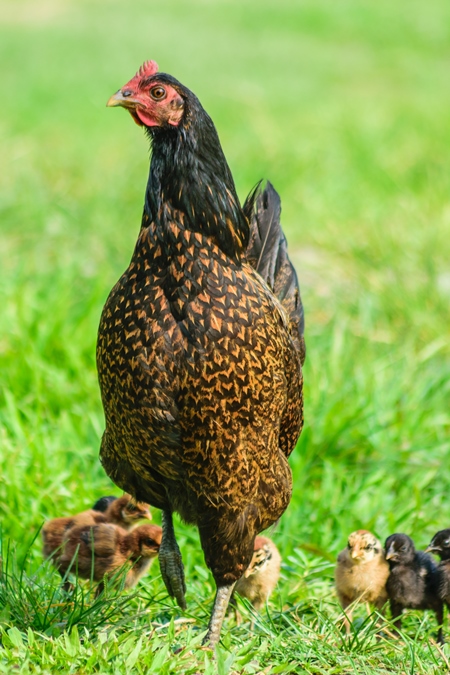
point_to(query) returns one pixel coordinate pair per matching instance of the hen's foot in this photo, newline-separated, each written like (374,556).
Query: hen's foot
(171,563)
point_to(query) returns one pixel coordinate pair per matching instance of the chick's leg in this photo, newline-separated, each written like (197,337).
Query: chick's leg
(348,613)
(170,561)
(396,614)
(221,601)
(237,614)
(440,621)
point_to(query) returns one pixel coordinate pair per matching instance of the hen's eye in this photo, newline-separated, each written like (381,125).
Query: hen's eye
(158,93)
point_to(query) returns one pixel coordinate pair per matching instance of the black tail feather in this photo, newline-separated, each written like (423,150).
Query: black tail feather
(267,254)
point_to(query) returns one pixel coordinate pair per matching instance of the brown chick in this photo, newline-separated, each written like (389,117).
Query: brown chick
(361,573)
(91,552)
(261,576)
(123,512)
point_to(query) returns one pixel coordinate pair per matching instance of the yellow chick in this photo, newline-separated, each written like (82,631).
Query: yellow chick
(361,573)
(261,576)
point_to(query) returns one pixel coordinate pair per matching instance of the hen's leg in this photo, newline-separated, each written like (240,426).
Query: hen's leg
(221,601)
(170,561)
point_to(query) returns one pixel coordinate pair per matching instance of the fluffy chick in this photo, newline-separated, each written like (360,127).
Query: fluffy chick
(95,551)
(361,573)
(413,581)
(123,512)
(261,576)
(440,544)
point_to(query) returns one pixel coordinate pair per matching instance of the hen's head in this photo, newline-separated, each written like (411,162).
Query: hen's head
(399,549)
(363,546)
(152,99)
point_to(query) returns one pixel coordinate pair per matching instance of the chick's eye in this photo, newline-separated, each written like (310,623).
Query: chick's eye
(131,507)
(158,93)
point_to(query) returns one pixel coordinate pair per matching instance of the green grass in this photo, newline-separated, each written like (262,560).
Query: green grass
(344,106)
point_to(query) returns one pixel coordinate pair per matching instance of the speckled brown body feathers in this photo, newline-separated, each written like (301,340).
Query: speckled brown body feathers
(199,365)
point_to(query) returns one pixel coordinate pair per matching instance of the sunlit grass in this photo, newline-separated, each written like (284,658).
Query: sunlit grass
(344,107)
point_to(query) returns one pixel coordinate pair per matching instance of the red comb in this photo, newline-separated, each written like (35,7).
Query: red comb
(147,69)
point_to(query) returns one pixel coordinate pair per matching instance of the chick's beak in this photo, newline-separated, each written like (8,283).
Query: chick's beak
(390,554)
(432,549)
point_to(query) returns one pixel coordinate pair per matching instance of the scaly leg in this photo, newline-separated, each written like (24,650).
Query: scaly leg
(221,601)
(170,561)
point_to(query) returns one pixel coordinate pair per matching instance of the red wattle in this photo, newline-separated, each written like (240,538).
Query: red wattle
(146,119)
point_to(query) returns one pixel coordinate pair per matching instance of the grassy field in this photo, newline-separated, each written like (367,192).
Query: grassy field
(345,107)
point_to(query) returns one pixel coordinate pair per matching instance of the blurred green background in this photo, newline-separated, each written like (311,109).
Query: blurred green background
(345,107)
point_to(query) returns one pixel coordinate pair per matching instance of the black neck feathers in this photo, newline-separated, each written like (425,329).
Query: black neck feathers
(190,181)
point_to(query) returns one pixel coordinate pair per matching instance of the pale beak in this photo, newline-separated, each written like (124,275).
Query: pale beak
(390,554)
(119,99)
(432,549)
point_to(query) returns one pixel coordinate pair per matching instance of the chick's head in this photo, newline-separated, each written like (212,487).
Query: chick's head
(363,546)
(147,540)
(399,549)
(440,544)
(261,558)
(130,510)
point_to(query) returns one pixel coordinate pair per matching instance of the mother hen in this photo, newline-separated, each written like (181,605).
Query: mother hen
(200,346)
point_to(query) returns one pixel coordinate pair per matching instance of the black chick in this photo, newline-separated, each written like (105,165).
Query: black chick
(103,503)
(413,581)
(440,544)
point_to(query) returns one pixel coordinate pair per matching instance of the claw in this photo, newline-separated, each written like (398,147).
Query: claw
(172,571)
(171,563)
